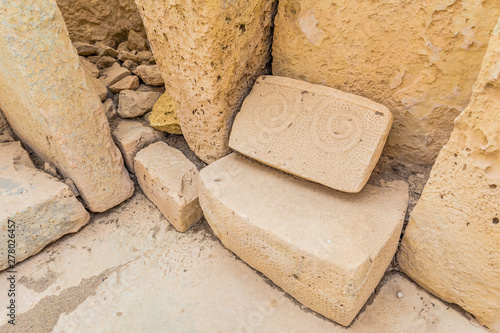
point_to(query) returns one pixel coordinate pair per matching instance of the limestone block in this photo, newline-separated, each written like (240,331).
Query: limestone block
(109,51)
(164,115)
(94,20)
(105,62)
(419,58)
(85,49)
(127,83)
(151,75)
(451,244)
(170,181)
(136,41)
(312,131)
(99,88)
(113,74)
(124,56)
(130,65)
(122,47)
(136,103)
(42,209)
(145,87)
(89,67)
(109,108)
(145,55)
(52,108)
(210,58)
(13,155)
(325,248)
(132,136)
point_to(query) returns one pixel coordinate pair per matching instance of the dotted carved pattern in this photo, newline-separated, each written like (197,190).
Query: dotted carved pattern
(336,126)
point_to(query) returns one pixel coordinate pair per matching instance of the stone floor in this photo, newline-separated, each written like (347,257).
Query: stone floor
(128,270)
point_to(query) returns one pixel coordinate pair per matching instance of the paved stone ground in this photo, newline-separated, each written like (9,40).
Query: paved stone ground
(128,270)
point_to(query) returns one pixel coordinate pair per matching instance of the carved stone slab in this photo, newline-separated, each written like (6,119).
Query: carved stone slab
(312,131)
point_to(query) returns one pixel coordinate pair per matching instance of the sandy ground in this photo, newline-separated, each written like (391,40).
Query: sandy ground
(128,270)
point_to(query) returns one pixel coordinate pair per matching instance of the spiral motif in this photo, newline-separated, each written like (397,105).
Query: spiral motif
(273,113)
(335,129)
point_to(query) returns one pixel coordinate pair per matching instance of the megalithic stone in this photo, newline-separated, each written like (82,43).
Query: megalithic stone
(209,53)
(50,105)
(451,245)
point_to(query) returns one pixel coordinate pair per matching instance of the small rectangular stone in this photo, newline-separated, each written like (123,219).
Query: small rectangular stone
(312,131)
(170,181)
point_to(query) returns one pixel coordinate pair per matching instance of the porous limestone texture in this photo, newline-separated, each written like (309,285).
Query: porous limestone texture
(312,131)
(164,115)
(325,248)
(451,243)
(52,108)
(136,103)
(170,181)
(418,58)
(210,58)
(131,136)
(93,20)
(35,206)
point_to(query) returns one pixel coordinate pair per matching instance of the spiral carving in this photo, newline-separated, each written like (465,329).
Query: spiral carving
(273,113)
(334,130)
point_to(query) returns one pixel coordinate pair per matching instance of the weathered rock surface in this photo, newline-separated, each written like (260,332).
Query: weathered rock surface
(151,75)
(136,41)
(85,49)
(107,21)
(419,58)
(325,248)
(132,136)
(99,88)
(51,106)
(136,103)
(105,62)
(113,74)
(312,131)
(164,115)
(210,58)
(6,133)
(89,67)
(127,83)
(38,208)
(13,155)
(451,244)
(130,65)
(170,181)
(109,109)
(124,56)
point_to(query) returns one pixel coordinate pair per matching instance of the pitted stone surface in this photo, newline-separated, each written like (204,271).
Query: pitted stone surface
(325,248)
(210,53)
(451,245)
(51,106)
(312,131)
(42,208)
(170,181)
(132,136)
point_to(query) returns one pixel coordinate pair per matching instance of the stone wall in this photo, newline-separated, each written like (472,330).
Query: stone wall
(419,58)
(107,21)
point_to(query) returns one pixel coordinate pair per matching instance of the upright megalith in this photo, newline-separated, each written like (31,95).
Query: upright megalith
(50,105)
(209,53)
(451,246)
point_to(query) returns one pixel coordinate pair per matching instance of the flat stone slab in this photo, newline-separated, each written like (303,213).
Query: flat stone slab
(38,208)
(312,131)
(327,249)
(170,181)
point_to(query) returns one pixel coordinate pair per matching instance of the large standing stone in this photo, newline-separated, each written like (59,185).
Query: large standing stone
(419,58)
(35,206)
(50,105)
(170,181)
(325,248)
(210,58)
(451,246)
(312,131)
